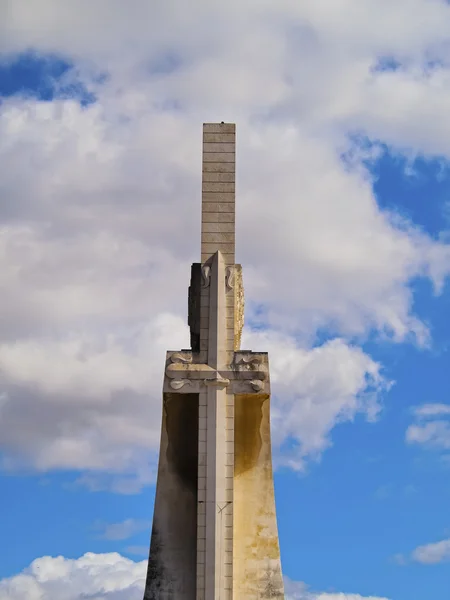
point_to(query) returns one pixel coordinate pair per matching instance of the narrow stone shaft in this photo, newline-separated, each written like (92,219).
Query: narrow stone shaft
(218,512)
(218,191)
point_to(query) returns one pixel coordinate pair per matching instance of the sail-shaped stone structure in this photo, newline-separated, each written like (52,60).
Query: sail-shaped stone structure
(214,533)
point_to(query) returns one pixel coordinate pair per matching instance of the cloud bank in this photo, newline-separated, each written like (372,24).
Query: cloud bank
(100,212)
(107,577)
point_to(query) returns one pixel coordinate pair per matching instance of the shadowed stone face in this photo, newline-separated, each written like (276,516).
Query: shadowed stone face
(182,434)
(173,547)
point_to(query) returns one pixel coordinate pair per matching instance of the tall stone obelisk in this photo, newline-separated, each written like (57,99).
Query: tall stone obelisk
(214,533)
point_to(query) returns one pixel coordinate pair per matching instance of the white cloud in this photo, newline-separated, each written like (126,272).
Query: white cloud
(99,212)
(432,410)
(108,577)
(122,530)
(431,427)
(315,389)
(432,553)
(93,576)
(296,590)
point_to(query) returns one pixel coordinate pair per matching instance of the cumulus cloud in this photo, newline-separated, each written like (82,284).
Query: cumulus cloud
(432,553)
(99,212)
(427,554)
(108,577)
(94,576)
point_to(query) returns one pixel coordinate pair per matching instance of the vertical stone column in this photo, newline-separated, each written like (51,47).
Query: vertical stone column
(218,191)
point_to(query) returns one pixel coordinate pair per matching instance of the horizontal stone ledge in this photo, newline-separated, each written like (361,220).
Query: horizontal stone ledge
(219,137)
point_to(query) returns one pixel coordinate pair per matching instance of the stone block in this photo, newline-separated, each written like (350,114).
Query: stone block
(217,228)
(224,147)
(219,157)
(218,186)
(219,128)
(213,248)
(218,167)
(228,217)
(211,217)
(219,137)
(218,238)
(219,177)
(208,207)
(214,197)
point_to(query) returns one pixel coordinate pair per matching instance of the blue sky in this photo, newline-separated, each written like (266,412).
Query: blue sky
(346,270)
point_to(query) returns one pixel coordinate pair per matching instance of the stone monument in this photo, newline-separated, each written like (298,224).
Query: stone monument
(214,533)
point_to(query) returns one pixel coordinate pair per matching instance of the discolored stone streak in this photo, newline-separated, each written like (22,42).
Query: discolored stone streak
(247,435)
(256,552)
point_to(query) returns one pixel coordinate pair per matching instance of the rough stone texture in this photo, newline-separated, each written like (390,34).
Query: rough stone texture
(214,531)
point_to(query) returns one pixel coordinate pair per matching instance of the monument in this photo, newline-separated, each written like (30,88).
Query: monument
(214,533)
